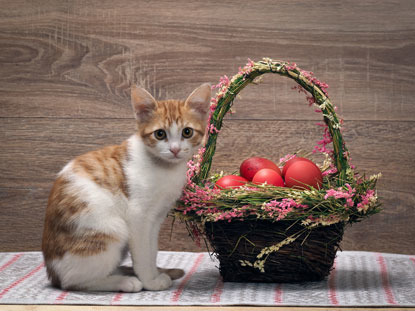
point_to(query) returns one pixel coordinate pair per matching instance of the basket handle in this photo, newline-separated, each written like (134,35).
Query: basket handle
(225,99)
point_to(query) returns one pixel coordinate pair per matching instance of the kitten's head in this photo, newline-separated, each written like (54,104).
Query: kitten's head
(172,130)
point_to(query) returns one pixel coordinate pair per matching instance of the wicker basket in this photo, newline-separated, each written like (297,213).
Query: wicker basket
(295,262)
(255,247)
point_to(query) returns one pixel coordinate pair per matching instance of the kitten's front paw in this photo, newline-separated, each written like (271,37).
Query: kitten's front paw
(131,284)
(161,282)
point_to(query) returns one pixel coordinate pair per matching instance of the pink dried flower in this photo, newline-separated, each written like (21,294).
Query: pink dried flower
(367,199)
(341,193)
(282,208)
(196,198)
(287,158)
(223,83)
(291,66)
(331,170)
(229,215)
(322,144)
(310,76)
(247,69)
(212,129)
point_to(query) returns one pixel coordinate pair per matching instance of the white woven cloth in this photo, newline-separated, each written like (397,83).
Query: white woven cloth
(359,279)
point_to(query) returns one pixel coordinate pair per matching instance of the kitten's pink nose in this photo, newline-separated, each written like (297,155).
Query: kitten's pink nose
(175,150)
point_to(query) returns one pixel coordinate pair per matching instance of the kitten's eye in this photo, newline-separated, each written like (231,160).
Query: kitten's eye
(160,134)
(187,132)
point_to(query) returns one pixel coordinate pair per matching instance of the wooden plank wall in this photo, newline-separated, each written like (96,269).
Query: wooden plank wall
(66,67)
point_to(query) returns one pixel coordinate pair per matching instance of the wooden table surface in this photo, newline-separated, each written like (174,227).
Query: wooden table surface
(184,308)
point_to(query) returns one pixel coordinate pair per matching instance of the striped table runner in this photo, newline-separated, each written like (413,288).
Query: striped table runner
(359,279)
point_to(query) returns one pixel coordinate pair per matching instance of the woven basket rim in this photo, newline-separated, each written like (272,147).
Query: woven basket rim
(224,100)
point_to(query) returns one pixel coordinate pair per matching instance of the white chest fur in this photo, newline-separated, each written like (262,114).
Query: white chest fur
(152,185)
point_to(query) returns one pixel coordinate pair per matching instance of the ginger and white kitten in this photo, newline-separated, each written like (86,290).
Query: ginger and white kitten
(112,200)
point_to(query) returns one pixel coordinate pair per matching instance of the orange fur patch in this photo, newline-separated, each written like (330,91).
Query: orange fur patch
(167,112)
(59,234)
(104,167)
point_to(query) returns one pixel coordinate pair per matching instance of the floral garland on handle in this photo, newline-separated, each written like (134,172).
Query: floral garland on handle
(307,83)
(345,196)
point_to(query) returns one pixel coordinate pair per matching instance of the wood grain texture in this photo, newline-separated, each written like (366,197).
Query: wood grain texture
(66,68)
(78,58)
(31,160)
(30,165)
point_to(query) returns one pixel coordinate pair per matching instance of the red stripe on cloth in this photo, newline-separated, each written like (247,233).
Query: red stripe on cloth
(15,283)
(116,298)
(10,262)
(332,286)
(217,292)
(278,294)
(177,293)
(413,260)
(390,298)
(61,297)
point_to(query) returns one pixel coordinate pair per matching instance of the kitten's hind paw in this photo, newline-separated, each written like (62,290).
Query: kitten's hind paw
(161,282)
(174,274)
(131,284)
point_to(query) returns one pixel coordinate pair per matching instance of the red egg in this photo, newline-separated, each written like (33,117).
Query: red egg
(302,175)
(230,181)
(251,166)
(269,176)
(290,162)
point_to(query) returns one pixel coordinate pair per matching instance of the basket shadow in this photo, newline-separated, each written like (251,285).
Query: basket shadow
(360,279)
(345,280)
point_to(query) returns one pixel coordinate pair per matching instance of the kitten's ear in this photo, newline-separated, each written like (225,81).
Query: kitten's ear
(199,100)
(143,103)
